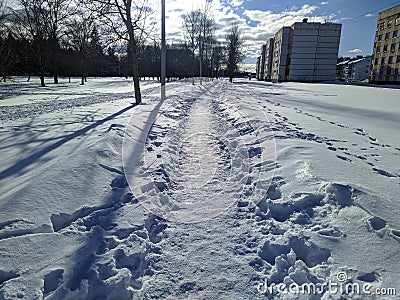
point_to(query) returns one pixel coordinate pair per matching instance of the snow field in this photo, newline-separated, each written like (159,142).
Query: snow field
(208,194)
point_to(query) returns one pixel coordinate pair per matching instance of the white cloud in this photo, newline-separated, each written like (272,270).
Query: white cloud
(356,51)
(236,3)
(324,3)
(256,25)
(370,15)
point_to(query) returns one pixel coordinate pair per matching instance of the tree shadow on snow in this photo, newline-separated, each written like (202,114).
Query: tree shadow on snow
(22,164)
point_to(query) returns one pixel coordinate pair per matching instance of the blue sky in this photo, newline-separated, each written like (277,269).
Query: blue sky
(260,19)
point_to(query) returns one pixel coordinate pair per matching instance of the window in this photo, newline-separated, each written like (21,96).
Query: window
(382,26)
(392,47)
(397,21)
(380,37)
(387,36)
(376,61)
(385,48)
(390,61)
(390,23)
(378,49)
(395,34)
(398,59)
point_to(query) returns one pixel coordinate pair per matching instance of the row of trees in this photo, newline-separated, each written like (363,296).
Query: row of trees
(108,38)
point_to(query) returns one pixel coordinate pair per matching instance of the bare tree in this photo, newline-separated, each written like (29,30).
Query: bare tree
(130,21)
(32,25)
(198,27)
(218,58)
(234,45)
(206,38)
(191,30)
(42,23)
(5,50)
(3,14)
(57,13)
(78,35)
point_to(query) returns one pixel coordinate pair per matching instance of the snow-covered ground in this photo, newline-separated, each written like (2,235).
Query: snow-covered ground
(221,191)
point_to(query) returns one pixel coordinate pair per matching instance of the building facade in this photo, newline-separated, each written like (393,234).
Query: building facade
(306,52)
(258,66)
(386,53)
(262,63)
(268,59)
(281,56)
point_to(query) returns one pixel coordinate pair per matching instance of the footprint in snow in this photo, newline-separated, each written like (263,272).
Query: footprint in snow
(383,172)
(344,158)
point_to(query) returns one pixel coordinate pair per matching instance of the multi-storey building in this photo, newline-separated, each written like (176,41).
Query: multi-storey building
(258,67)
(386,54)
(306,52)
(281,55)
(268,59)
(262,62)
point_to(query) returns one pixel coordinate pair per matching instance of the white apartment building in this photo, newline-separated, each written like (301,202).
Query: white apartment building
(306,52)
(268,59)
(262,63)
(280,58)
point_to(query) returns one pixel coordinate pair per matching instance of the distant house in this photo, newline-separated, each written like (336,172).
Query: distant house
(386,55)
(359,69)
(356,69)
(342,70)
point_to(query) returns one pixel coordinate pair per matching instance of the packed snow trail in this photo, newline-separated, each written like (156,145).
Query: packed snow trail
(194,262)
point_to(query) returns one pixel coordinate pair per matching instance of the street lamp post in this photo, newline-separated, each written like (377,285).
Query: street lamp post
(163,51)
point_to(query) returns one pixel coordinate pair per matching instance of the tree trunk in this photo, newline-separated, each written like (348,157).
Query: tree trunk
(55,77)
(136,79)
(136,75)
(42,81)
(83,80)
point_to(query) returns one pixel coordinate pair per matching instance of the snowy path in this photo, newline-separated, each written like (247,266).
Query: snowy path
(195,262)
(220,188)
